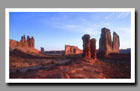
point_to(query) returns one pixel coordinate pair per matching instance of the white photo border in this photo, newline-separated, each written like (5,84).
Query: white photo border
(7,78)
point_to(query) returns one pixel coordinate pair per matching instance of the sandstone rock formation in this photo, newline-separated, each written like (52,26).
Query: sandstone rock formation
(86,46)
(116,43)
(26,46)
(13,43)
(106,45)
(105,42)
(42,50)
(72,50)
(29,43)
(23,42)
(93,48)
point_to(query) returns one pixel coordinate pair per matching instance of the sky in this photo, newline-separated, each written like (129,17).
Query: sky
(54,30)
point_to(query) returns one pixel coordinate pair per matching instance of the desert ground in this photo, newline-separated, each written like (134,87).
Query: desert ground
(23,65)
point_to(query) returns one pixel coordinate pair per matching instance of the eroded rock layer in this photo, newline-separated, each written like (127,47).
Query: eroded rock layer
(29,43)
(72,50)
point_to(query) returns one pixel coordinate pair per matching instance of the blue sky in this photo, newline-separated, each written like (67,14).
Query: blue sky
(52,30)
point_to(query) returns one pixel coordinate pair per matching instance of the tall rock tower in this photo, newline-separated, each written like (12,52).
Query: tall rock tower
(30,42)
(93,48)
(86,46)
(106,45)
(105,42)
(116,43)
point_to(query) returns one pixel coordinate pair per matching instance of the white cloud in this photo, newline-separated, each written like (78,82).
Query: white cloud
(91,29)
(121,30)
(117,15)
(123,15)
(70,27)
(109,16)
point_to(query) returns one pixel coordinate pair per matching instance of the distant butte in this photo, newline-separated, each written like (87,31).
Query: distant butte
(72,50)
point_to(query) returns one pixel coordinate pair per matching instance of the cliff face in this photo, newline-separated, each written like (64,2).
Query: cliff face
(106,45)
(72,50)
(23,45)
(29,43)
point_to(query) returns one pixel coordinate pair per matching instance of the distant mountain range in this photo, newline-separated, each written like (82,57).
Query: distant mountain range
(56,52)
(126,51)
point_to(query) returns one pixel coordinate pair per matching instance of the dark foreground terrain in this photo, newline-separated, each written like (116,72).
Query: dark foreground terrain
(72,66)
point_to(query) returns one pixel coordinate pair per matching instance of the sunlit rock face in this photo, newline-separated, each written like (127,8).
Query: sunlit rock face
(116,42)
(23,42)
(13,43)
(72,50)
(93,48)
(86,46)
(29,43)
(20,48)
(106,45)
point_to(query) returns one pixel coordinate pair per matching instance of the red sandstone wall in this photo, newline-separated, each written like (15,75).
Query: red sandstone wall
(30,42)
(72,50)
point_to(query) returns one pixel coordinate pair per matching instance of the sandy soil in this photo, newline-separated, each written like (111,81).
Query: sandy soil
(71,67)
